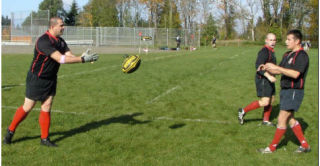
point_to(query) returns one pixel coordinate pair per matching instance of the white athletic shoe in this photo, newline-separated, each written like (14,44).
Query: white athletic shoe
(265,150)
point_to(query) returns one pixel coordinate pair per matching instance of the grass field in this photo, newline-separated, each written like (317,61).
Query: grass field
(179,108)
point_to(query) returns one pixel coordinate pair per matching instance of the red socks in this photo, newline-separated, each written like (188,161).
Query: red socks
(44,121)
(267,112)
(252,106)
(297,130)
(19,116)
(276,139)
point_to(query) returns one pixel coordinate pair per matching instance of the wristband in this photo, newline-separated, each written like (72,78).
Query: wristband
(62,59)
(82,59)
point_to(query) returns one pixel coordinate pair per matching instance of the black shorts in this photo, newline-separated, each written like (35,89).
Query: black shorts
(291,99)
(39,89)
(265,88)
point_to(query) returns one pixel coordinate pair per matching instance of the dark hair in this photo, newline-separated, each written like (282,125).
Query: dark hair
(296,33)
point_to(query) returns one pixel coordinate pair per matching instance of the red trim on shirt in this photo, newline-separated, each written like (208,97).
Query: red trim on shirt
(301,83)
(36,60)
(50,35)
(269,48)
(42,66)
(294,58)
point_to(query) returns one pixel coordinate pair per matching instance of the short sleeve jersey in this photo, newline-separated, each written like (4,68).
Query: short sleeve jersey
(42,64)
(265,55)
(298,61)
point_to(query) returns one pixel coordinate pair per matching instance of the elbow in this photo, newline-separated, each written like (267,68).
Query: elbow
(296,75)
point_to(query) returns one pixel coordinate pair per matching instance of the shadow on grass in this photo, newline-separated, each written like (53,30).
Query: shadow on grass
(124,119)
(177,125)
(289,135)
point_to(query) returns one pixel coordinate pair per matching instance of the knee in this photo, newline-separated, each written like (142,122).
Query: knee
(264,102)
(46,107)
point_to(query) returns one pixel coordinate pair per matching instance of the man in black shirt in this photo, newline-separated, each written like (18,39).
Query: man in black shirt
(294,68)
(41,82)
(264,82)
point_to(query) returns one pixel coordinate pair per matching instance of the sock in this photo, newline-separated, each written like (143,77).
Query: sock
(276,139)
(267,112)
(297,130)
(19,116)
(252,106)
(44,121)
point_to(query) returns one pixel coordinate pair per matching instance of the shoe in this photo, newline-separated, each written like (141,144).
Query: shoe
(303,150)
(241,114)
(265,150)
(268,123)
(7,139)
(47,142)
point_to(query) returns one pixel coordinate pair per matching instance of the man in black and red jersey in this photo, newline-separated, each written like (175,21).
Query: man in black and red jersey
(41,82)
(264,82)
(294,68)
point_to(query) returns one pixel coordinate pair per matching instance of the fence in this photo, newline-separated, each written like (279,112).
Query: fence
(105,36)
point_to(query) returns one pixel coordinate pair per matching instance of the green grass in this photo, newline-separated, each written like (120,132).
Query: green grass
(179,108)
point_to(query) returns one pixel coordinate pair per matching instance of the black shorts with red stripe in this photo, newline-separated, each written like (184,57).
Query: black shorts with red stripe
(39,89)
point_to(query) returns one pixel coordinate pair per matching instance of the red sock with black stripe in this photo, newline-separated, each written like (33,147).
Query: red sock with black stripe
(277,137)
(19,116)
(297,130)
(44,121)
(252,106)
(267,112)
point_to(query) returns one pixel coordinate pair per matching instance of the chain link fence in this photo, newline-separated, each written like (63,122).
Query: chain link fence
(105,36)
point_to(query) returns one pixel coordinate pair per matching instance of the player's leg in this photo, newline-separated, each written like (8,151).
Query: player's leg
(252,106)
(44,121)
(267,111)
(20,115)
(280,131)
(297,130)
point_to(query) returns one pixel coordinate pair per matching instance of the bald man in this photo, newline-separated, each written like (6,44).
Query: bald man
(264,82)
(41,82)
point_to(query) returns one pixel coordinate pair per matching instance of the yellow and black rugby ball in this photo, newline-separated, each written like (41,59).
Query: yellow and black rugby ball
(131,63)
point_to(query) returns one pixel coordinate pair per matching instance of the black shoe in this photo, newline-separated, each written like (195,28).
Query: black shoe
(7,139)
(47,142)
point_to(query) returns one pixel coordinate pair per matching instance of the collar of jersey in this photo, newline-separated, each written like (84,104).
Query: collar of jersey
(269,48)
(55,38)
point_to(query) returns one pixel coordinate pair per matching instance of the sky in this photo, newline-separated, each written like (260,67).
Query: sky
(8,6)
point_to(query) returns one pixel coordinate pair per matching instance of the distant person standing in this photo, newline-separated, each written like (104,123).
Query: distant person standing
(213,41)
(178,40)
(50,51)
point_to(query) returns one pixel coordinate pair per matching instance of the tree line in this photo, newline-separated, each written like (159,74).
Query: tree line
(225,19)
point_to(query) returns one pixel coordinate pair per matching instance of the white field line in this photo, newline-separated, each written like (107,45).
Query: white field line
(12,86)
(163,94)
(155,118)
(178,86)
(99,69)
(38,109)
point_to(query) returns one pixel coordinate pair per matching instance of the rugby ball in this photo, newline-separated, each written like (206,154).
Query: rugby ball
(131,63)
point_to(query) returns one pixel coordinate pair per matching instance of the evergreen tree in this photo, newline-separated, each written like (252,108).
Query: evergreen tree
(103,13)
(209,30)
(5,21)
(71,16)
(54,6)
(169,17)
